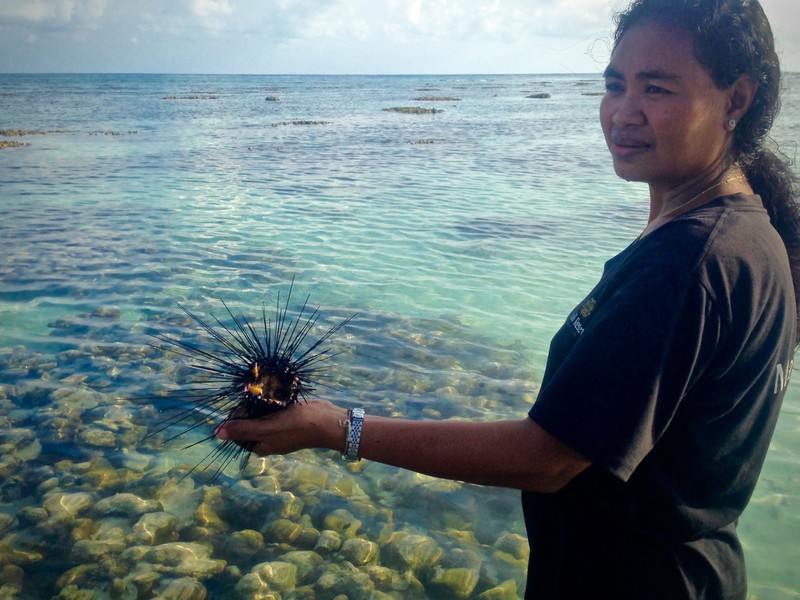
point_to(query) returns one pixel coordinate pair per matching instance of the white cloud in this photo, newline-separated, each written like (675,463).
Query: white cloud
(211,13)
(54,13)
(505,21)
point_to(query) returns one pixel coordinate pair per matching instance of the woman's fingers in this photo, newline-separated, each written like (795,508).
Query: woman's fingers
(311,425)
(240,430)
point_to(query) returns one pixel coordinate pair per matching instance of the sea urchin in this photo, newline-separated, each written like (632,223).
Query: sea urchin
(246,369)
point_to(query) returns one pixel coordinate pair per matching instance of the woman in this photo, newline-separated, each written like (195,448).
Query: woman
(662,388)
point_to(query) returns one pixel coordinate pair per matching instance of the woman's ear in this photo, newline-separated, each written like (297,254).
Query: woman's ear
(740,97)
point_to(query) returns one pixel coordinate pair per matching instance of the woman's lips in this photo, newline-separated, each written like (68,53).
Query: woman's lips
(624,144)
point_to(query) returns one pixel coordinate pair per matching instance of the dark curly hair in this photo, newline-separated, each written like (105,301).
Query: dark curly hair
(733,38)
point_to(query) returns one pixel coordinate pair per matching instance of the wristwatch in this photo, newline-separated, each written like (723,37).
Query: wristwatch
(355,419)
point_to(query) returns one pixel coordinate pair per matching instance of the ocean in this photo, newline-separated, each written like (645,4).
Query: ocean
(459,238)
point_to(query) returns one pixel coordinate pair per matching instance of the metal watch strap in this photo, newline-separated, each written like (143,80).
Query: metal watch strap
(355,421)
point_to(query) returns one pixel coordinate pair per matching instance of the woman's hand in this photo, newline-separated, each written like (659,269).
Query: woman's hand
(315,424)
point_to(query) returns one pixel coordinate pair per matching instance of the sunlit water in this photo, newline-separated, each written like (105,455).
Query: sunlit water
(460,240)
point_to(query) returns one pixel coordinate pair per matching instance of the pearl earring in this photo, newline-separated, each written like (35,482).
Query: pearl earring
(731,124)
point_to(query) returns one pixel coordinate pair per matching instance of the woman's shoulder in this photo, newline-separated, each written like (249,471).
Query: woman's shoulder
(713,244)
(733,226)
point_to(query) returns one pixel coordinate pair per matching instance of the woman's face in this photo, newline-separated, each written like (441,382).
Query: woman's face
(662,116)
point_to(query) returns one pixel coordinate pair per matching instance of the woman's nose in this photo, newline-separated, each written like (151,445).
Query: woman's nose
(628,111)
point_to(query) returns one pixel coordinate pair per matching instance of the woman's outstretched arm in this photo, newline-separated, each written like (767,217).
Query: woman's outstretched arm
(516,454)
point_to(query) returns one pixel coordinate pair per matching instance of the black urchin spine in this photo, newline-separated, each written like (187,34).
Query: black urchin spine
(244,374)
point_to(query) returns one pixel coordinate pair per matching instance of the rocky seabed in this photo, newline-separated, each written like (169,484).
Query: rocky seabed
(93,508)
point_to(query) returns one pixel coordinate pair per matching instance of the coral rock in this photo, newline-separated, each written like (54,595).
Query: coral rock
(360,552)
(156,528)
(127,504)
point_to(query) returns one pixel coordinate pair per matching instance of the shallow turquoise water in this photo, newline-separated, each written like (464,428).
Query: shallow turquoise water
(461,240)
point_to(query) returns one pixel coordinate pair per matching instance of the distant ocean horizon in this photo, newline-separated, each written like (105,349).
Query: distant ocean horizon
(459,218)
(243,74)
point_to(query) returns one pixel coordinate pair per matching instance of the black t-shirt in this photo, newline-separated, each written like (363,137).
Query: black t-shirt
(668,377)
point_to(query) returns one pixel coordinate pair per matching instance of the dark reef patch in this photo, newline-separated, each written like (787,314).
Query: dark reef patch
(502,228)
(301,122)
(414,110)
(437,99)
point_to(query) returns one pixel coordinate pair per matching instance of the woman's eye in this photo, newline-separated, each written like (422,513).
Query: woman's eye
(654,89)
(614,86)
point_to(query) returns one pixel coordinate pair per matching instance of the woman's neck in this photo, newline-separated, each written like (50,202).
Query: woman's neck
(669,204)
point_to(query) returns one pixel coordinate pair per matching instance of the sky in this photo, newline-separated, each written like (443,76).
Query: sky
(324,36)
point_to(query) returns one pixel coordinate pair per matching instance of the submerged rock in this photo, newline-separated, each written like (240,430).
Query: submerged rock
(257,498)
(342,521)
(339,580)
(127,504)
(32,515)
(66,506)
(77,576)
(505,591)
(252,587)
(141,583)
(411,551)
(207,514)
(329,541)
(185,558)
(94,551)
(244,543)
(99,438)
(437,99)
(306,561)
(300,477)
(11,579)
(179,498)
(283,531)
(301,122)
(11,555)
(454,583)
(156,528)
(192,97)
(414,110)
(513,544)
(6,521)
(19,444)
(360,552)
(278,575)
(135,461)
(12,144)
(184,588)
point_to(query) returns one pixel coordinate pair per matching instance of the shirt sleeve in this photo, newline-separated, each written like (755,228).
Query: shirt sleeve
(619,385)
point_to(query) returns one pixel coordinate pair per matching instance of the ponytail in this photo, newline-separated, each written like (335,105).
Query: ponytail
(772,178)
